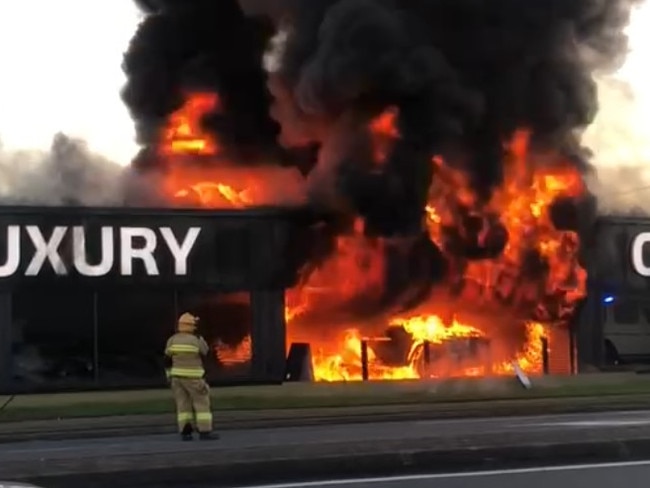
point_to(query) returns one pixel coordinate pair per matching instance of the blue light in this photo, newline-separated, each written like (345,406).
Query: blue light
(607,299)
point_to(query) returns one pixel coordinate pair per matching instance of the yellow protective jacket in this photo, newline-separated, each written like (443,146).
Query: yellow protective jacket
(186,351)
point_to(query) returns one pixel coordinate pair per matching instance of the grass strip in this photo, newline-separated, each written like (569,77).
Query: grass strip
(153,402)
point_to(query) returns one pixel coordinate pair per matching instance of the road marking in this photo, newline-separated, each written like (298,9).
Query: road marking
(537,420)
(469,474)
(594,423)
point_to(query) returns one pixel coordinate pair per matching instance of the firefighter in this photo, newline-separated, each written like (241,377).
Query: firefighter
(185,351)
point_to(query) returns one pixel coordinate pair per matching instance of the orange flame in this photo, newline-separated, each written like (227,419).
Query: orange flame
(523,204)
(214,182)
(383,130)
(356,269)
(230,355)
(184,133)
(345,365)
(208,192)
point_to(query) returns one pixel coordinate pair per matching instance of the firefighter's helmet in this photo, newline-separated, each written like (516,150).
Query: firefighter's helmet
(187,322)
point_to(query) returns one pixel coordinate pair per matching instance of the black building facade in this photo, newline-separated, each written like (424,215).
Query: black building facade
(88,297)
(614,323)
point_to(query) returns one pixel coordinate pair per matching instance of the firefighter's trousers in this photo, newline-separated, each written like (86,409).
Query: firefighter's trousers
(192,396)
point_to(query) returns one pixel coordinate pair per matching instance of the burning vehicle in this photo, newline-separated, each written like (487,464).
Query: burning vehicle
(438,141)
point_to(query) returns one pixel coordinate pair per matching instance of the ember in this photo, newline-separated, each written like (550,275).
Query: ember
(184,133)
(202,175)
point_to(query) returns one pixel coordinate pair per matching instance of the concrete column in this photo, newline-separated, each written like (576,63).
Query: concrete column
(268,335)
(590,333)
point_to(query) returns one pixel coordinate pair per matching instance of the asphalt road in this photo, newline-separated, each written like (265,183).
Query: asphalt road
(572,425)
(629,475)
(253,451)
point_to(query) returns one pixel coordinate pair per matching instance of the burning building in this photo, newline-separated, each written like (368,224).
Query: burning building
(435,144)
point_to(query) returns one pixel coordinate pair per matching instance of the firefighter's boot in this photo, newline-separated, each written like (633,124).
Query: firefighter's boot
(186,433)
(208,436)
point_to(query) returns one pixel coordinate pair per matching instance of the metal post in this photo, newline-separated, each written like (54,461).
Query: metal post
(426,359)
(488,357)
(364,360)
(95,336)
(176,310)
(572,352)
(7,359)
(545,366)
(268,336)
(473,346)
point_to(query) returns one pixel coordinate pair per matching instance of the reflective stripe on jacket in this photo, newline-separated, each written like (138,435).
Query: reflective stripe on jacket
(186,350)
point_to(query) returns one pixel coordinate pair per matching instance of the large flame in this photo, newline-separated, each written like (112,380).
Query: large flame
(201,173)
(184,133)
(437,336)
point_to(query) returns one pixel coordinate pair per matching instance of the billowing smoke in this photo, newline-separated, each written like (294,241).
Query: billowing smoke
(464,74)
(68,174)
(620,140)
(195,45)
(459,76)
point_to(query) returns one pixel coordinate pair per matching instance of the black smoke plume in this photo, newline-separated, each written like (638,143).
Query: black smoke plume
(464,74)
(193,45)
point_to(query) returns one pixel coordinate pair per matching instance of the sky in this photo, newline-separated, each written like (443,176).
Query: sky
(60,71)
(620,135)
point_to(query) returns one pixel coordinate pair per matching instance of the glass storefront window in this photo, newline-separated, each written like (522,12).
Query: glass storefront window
(52,337)
(626,313)
(132,328)
(115,337)
(226,323)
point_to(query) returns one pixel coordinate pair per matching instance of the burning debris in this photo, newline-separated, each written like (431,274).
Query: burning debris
(447,139)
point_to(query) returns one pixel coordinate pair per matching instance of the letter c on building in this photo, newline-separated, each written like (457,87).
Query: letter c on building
(638,263)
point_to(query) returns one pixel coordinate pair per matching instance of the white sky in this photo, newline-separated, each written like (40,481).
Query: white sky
(60,71)
(620,135)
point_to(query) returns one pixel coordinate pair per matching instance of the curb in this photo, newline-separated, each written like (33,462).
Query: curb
(157,424)
(256,469)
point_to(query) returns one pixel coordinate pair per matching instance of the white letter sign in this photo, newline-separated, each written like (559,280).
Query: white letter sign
(81,253)
(180,252)
(46,250)
(144,254)
(10,266)
(638,263)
